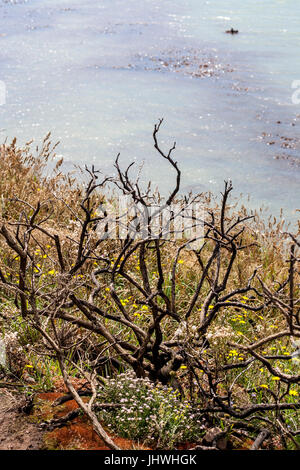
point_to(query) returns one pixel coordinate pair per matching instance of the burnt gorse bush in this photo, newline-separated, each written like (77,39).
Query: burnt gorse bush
(212,311)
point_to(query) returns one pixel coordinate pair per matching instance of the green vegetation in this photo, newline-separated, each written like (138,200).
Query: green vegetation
(181,338)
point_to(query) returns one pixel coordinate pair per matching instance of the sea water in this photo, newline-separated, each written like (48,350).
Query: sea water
(98,74)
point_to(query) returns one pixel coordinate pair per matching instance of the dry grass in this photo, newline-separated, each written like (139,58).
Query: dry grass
(24,187)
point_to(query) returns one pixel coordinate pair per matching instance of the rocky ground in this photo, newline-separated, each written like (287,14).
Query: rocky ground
(16,431)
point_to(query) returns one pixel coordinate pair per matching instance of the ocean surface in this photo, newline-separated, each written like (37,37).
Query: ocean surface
(98,74)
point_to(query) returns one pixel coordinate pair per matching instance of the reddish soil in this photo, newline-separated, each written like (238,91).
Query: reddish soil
(77,434)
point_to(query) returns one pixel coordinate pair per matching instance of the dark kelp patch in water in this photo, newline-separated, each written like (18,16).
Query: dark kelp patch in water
(189,62)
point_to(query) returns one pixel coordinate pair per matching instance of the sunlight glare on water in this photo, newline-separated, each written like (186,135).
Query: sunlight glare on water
(99,74)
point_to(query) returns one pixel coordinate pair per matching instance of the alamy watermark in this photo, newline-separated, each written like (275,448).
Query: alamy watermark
(2,93)
(124,218)
(296,94)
